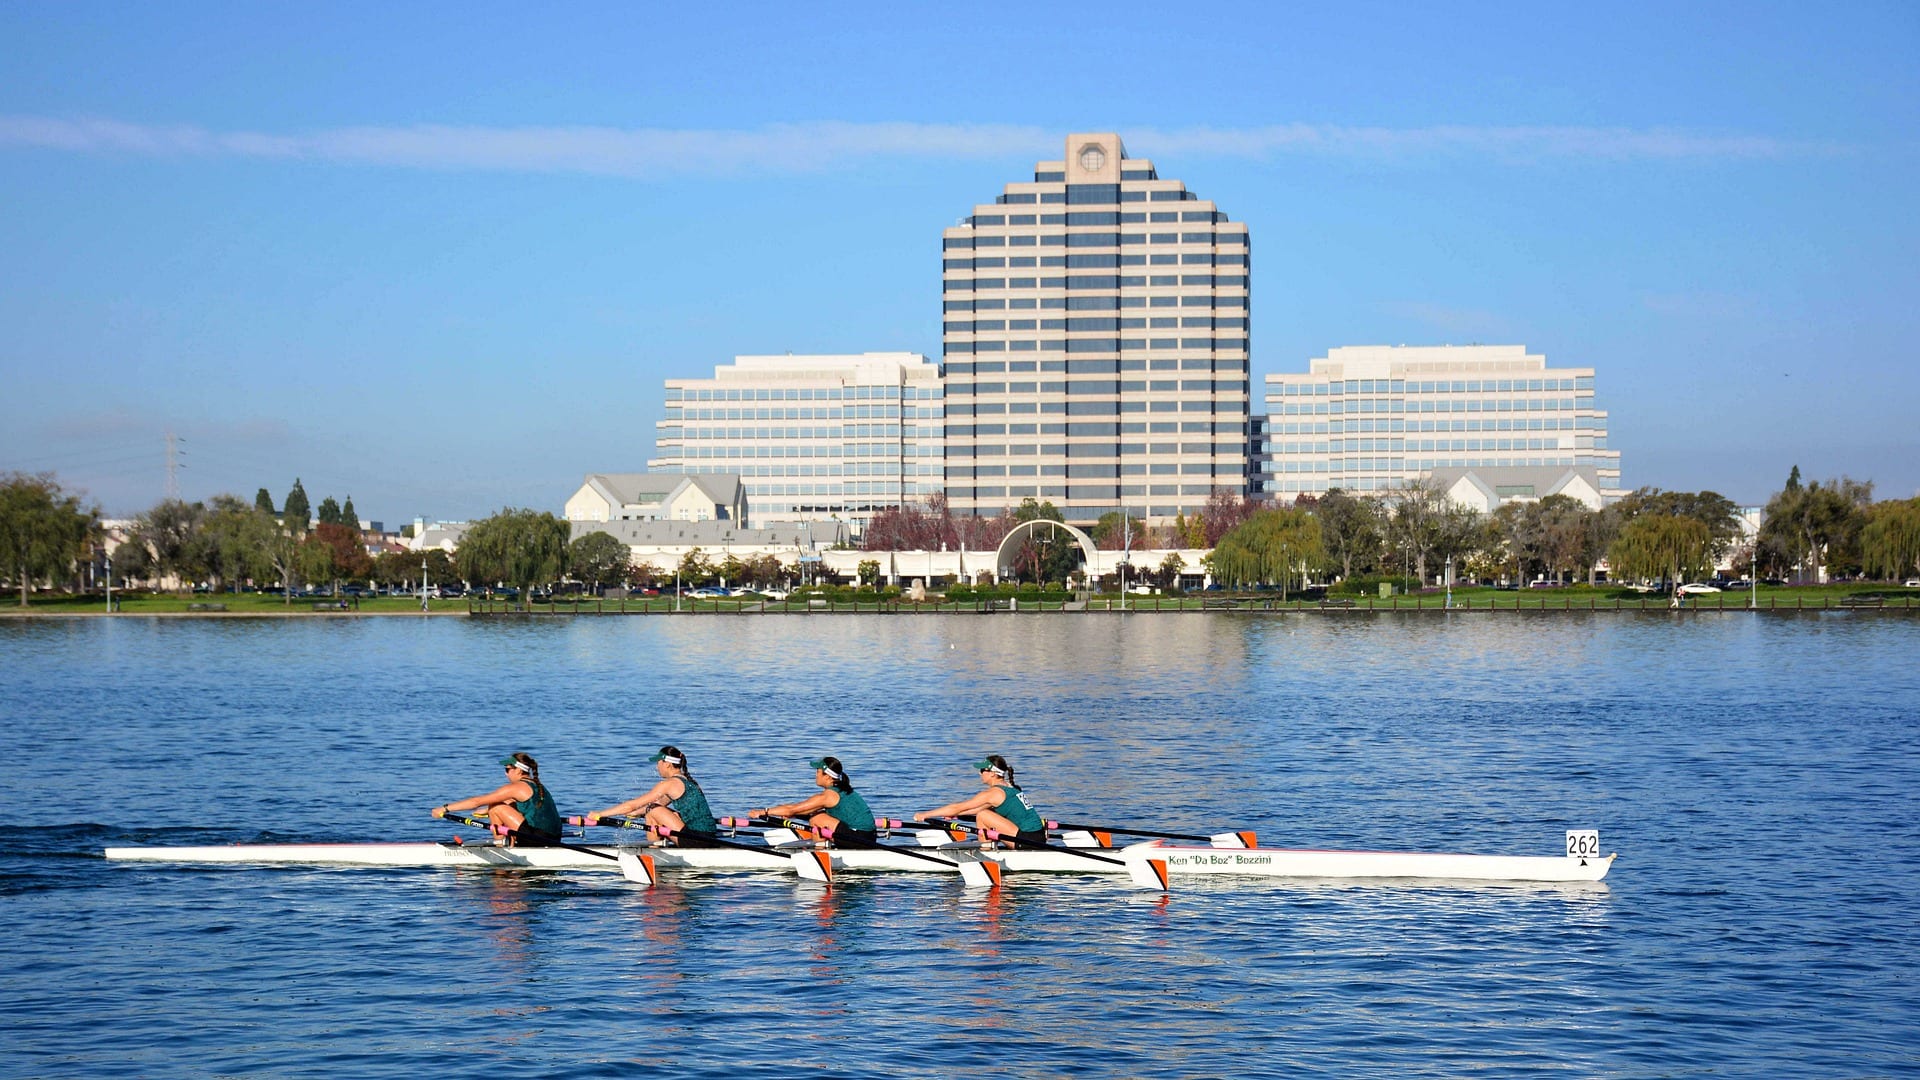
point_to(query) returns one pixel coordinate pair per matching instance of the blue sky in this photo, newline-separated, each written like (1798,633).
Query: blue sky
(440,259)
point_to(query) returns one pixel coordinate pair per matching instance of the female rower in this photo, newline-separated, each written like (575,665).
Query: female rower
(675,804)
(1002,807)
(521,805)
(837,809)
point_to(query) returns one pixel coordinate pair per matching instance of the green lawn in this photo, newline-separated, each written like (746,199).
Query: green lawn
(1577,597)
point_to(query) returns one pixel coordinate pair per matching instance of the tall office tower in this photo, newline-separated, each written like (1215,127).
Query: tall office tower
(811,437)
(1372,417)
(1095,341)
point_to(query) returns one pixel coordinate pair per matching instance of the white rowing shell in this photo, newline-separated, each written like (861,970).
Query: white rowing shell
(1181,861)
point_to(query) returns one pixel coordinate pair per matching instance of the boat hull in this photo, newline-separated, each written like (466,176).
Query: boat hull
(1181,861)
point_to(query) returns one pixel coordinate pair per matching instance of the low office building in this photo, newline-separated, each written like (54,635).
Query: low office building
(659,497)
(1375,417)
(811,437)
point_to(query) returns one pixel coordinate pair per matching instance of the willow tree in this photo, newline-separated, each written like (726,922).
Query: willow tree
(1666,546)
(1890,540)
(523,548)
(1270,547)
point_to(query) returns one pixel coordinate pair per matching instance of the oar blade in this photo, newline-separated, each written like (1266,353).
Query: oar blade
(977,872)
(1242,839)
(637,867)
(814,865)
(1148,873)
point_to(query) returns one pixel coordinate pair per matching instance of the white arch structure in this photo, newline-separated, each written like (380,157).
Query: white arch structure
(1013,534)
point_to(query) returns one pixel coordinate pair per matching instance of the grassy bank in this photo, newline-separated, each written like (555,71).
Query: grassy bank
(1572,598)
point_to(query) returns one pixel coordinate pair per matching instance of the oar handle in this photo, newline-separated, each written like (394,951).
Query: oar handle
(823,832)
(614,821)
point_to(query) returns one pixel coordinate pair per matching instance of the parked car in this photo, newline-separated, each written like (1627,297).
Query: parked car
(1913,583)
(1697,588)
(1142,590)
(775,593)
(710,592)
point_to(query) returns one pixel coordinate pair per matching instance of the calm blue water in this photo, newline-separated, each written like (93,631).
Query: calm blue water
(1757,775)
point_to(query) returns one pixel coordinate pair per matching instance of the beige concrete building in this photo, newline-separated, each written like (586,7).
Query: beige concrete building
(811,437)
(1095,342)
(1373,417)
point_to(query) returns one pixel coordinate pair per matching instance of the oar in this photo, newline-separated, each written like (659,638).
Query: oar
(634,870)
(1146,873)
(810,865)
(1243,839)
(982,874)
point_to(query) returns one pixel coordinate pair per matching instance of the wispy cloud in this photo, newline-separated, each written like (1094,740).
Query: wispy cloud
(815,147)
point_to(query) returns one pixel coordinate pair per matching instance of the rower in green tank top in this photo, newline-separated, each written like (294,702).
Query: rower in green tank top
(837,808)
(522,805)
(676,803)
(1000,806)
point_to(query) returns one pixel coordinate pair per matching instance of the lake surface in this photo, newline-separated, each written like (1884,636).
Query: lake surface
(1756,773)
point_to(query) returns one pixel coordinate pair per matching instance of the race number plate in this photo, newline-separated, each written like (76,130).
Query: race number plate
(1583,843)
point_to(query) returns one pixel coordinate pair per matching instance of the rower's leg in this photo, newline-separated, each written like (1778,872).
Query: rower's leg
(664,818)
(987,819)
(505,816)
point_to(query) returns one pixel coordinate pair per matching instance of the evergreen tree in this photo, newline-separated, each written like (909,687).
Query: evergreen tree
(348,518)
(263,501)
(329,512)
(299,513)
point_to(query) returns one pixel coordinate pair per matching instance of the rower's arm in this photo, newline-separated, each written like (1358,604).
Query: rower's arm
(661,794)
(826,800)
(982,801)
(517,791)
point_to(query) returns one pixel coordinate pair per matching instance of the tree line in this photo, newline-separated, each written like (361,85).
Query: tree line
(1809,530)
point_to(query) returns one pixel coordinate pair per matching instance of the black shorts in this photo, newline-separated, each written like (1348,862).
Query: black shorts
(525,837)
(855,837)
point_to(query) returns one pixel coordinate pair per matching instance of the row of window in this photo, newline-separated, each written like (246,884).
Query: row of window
(1093,302)
(860,487)
(1082,472)
(1095,366)
(1095,429)
(1105,386)
(1397,405)
(825,393)
(1107,217)
(1098,494)
(1368,446)
(1096,345)
(1094,324)
(845,468)
(1029,198)
(803,412)
(775,442)
(1105,451)
(1224,407)
(1456,386)
(1094,262)
(1099,281)
(1081,240)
